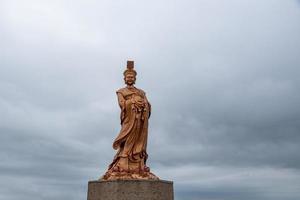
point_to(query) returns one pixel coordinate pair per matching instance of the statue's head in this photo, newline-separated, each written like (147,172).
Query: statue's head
(130,74)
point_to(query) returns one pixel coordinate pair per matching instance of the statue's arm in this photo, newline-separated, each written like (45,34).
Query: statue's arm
(121,101)
(149,106)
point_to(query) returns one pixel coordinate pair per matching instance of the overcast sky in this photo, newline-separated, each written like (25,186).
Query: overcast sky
(223,78)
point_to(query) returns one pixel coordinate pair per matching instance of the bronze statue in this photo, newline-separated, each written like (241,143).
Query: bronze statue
(131,143)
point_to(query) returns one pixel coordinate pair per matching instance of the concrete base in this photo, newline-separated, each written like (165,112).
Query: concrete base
(130,190)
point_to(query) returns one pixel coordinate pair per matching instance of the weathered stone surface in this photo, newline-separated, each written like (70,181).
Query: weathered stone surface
(130,190)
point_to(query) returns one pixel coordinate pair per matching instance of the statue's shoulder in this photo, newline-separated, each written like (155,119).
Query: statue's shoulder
(123,91)
(141,91)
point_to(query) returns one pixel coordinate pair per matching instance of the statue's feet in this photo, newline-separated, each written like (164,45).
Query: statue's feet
(117,173)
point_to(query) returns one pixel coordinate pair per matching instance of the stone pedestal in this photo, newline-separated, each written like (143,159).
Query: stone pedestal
(130,190)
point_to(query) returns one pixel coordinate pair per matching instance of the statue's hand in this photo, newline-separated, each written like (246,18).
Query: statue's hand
(129,101)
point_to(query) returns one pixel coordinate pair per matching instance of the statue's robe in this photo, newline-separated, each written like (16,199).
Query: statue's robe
(131,142)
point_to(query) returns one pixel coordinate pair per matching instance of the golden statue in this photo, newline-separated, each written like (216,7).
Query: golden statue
(131,143)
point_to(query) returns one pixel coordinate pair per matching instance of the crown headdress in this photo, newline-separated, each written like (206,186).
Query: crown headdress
(130,68)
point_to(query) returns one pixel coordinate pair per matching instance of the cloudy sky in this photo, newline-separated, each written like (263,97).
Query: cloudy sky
(223,78)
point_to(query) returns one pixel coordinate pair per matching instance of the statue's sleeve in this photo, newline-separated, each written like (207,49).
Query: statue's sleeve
(149,105)
(121,101)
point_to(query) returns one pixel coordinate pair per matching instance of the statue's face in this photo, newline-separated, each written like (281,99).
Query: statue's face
(129,79)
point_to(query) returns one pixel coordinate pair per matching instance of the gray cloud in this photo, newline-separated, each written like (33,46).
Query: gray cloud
(222,77)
